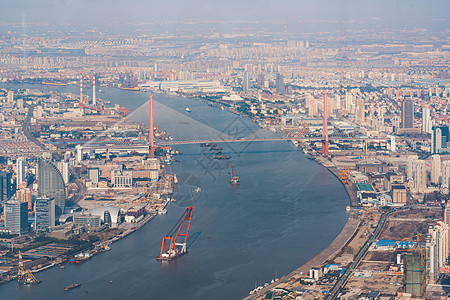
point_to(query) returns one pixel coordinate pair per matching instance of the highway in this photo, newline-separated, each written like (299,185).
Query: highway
(26,128)
(343,279)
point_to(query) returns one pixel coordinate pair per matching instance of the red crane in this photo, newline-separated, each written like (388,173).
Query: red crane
(170,248)
(234,178)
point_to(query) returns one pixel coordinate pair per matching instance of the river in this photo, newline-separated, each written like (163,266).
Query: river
(285,211)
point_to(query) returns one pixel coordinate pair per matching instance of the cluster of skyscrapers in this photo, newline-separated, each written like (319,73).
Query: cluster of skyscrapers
(47,202)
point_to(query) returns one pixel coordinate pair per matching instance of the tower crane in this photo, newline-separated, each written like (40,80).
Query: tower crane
(171,248)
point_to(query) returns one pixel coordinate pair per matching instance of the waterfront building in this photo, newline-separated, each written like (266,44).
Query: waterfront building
(87,220)
(6,189)
(407,113)
(20,172)
(440,137)
(16,216)
(51,184)
(44,213)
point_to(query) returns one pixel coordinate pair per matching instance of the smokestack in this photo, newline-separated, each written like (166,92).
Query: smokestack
(94,101)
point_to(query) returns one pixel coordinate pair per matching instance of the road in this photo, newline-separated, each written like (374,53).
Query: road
(26,128)
(344,277)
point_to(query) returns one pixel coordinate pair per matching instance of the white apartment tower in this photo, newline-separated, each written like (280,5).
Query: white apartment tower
(435,169)
(20,168)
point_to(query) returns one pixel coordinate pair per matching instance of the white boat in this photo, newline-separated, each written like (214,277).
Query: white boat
(162,212)
(188,110)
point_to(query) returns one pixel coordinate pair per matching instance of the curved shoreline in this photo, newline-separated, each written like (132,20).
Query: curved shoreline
(342,239)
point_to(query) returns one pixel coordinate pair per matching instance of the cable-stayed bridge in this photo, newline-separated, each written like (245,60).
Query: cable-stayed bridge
(181,128)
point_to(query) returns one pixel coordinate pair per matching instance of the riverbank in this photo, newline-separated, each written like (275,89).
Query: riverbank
(116,238)
(344,238)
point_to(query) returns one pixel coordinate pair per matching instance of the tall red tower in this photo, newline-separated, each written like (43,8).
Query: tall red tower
(81,90)
(151,140)
(325,125)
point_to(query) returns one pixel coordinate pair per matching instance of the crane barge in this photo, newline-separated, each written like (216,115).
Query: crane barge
(172,246)
(234,180)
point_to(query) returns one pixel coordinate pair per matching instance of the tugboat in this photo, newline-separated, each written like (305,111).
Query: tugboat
(234,178)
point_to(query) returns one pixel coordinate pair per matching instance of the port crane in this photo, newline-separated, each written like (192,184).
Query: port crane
(345,174)
(24,276)
(170,247)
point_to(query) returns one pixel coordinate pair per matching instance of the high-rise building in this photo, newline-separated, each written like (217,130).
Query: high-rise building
(246,82)
(280,87)
(407,113)
(337,104)
(445,180)
(420,177)
(437,250)
(20,169)
(10,97)
(6,189)
(79,155)
(24,195)
(311,104)
(51,184)
(439,138)
(359,113)
(64,169)
(44,212)
(348,102)
(426,120)
(16,216)
(435,169)
(416,174)
(411,161)
(261,80)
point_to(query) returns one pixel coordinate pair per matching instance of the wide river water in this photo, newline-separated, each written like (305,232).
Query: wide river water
(285,211)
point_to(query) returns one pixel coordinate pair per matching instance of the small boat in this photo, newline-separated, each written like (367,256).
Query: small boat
(188,110)
(69,287)
(62,267)
(221,156)
(234,180)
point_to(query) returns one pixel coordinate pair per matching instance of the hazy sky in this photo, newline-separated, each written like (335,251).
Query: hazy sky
(106,11)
